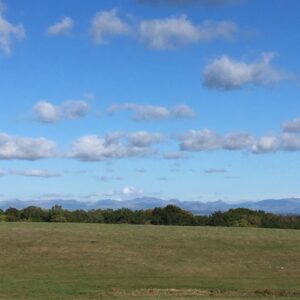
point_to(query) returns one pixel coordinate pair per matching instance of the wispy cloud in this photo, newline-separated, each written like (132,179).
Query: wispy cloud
(154,112)
(109,178)
(63,27)
(9,32)
(35,173)
(173,32)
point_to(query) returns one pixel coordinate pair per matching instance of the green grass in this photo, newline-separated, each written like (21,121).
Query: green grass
(91,261)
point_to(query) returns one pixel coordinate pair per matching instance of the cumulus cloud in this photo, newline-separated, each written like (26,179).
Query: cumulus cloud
(236,141)
(204,140)
(9,32)
(266,144)
(106,24)
(173,32)
(63,27)
(25,148)
(154,112)
(207,140)
(225,73)
(292,126)
(47,112)
(114,145)
(144,138)
(35,173)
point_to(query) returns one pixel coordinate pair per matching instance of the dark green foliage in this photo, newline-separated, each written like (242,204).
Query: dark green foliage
(172,215)
(169,215)
(13,215)
(34,214)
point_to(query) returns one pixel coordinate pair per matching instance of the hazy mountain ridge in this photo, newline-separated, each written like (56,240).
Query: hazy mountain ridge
(280,206)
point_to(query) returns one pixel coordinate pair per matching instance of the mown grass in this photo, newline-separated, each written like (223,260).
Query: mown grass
(95,261)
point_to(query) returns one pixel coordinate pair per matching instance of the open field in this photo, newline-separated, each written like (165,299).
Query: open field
(91,261)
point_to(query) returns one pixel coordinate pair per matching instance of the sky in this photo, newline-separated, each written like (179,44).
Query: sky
(188,99)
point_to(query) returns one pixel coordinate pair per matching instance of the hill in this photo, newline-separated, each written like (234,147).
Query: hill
(279,206)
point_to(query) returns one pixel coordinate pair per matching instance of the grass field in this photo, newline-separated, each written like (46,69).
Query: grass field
(91,261)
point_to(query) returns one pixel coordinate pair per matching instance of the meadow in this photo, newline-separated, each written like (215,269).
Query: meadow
(101,261)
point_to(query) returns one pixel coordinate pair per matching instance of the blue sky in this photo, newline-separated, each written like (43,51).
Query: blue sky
(195,100)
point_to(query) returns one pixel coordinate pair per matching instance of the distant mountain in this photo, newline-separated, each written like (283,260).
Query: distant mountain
(280,206)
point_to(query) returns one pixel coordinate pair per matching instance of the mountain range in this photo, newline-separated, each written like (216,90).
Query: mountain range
(276,206)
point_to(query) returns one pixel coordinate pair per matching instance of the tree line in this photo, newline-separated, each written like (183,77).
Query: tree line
(169,215)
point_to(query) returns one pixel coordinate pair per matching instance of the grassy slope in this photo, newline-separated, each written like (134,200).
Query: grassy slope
(91,261)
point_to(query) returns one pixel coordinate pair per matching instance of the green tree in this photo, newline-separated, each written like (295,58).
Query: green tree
(13,215)
(34,214)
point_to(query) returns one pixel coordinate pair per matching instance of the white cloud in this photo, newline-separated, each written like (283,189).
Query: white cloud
(292,126)
(25,148)
(173,32)
(154,112)
(237,141)
(206,140)
(9,32)
(47,112)
(114,145)
(106,24)
(35,173)
(266,144)
(131,191)
(144,138)
(203,140)
(125,193)
(225,73)
(63,27)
